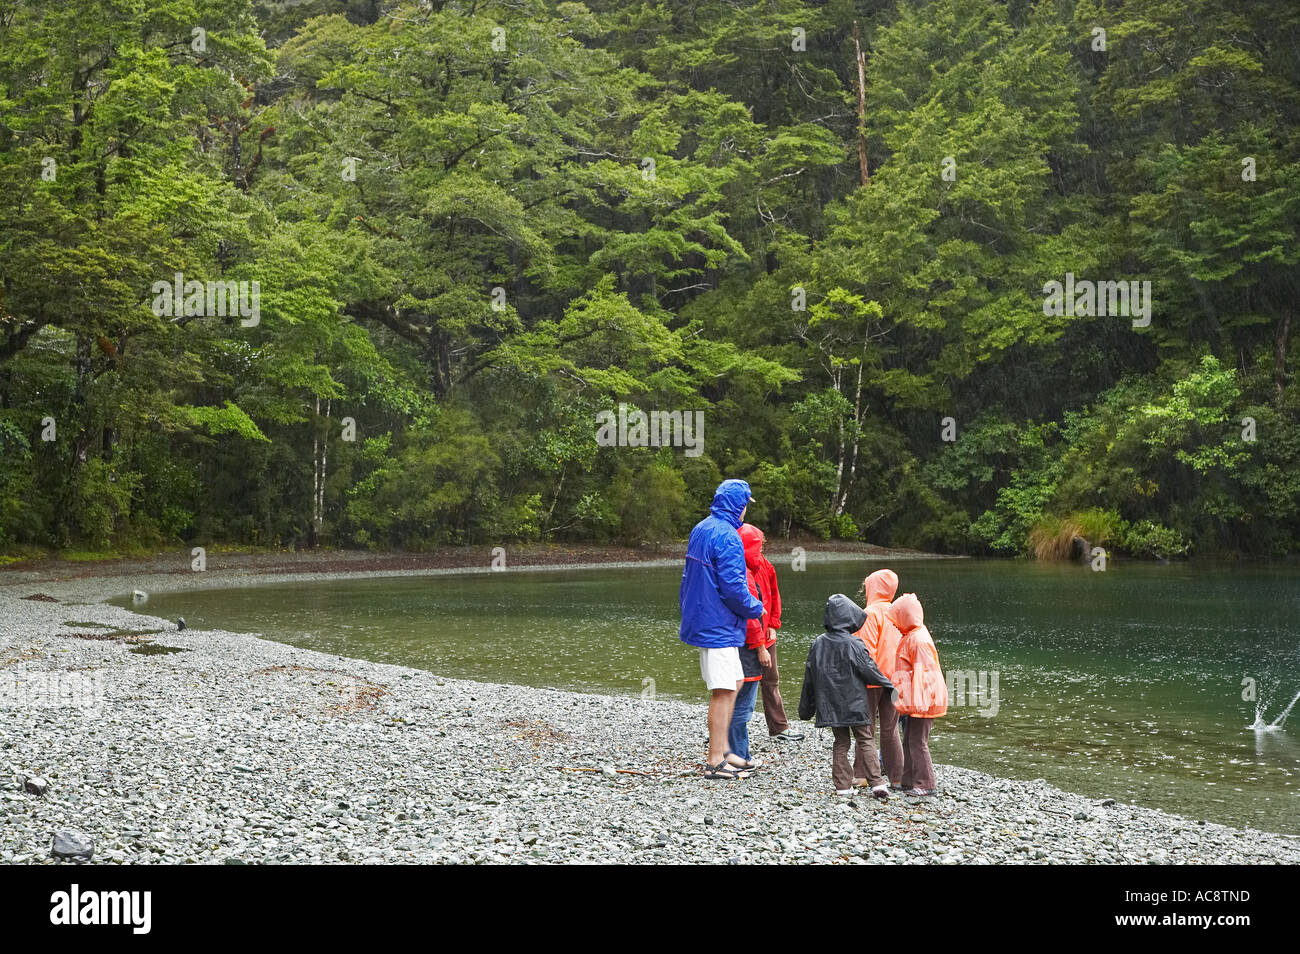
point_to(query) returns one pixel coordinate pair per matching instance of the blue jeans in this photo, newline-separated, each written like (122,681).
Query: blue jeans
(738,734)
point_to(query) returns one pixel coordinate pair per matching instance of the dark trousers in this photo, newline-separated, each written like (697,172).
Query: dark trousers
(773,707)
(918,770)
(885,716)
(864,757)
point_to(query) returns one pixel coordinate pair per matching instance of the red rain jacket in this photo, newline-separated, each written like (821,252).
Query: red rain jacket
(761,577)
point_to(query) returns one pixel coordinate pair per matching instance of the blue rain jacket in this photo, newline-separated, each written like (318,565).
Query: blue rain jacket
(714,597)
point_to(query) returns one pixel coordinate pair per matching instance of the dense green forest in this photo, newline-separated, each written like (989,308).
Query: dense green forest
(473,226)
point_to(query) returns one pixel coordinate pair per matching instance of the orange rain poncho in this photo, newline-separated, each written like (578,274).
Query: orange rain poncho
(878,633)
(922,691)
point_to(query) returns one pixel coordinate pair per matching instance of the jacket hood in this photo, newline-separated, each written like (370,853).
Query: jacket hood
(730,500)
(843,615)
(880,586)
(752,538)
(906,613)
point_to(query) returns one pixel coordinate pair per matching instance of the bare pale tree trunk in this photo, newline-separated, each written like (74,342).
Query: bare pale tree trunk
(315,472)
(556,499)
(836,378)
(853,457)
(320,484)
(862,102)
(841,497)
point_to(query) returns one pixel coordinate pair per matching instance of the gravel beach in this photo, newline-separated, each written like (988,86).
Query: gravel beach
(239,750)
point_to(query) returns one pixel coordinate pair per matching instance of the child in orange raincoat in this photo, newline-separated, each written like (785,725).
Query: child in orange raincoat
(881,637)
(922,693)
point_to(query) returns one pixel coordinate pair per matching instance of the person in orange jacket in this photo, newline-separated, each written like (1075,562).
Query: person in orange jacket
(922,693)
(778,726)
(881,637)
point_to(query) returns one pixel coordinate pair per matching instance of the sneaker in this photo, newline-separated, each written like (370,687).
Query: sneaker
(920,793)
(844,791)
(789,735)
(881,792)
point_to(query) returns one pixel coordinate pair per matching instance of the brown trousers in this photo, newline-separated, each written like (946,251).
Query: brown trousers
(885,717)
(918,770)
(773,707)
(864,764)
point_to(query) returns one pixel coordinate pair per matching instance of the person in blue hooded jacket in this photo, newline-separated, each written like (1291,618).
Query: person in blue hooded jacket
(716,603)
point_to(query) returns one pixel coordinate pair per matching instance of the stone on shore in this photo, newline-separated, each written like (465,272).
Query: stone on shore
(72,844)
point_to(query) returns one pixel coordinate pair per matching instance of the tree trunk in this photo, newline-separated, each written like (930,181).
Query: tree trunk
(320,492)
(862,102)
(853,458)
(1281,350)
(438,356)
(839,461)
(315,473)
(556,499)
(80,444)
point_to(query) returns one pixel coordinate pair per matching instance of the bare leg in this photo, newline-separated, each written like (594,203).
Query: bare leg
(721,703)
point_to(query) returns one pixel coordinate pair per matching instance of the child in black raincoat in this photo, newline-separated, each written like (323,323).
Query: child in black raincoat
(835,691)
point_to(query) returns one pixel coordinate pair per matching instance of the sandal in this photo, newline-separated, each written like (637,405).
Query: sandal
(745,765)
(723,771)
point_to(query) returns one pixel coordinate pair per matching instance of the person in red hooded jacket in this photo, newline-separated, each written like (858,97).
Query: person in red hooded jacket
(754,655)
(764,633)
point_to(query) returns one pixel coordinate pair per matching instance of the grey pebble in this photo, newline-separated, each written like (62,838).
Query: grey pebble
(72,844)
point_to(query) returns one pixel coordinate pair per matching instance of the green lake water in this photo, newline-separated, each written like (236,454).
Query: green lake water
(1125,683)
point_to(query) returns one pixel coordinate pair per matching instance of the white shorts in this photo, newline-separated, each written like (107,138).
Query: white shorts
(721,668)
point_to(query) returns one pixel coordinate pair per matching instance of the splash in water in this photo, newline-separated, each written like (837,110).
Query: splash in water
(1281,720)
(1260,725)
